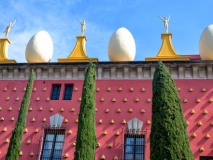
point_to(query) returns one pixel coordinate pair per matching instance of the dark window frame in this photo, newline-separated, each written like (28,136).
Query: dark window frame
(56,142)
(206,157)
(135,146)
(55,93)
(68,91)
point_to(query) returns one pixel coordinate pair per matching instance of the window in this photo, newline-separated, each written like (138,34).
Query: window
(206,158)
(55,91)
(53,144)
(68,91)
(134,147)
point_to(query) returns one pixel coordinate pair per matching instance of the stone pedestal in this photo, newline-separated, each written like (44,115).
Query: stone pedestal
(79,52)
(167,51)
(4,42)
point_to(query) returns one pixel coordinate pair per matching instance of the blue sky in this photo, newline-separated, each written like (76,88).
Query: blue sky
(103,17)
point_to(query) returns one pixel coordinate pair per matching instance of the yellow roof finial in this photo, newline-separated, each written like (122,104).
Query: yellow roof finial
(79,52)
(4,42)
(167,51)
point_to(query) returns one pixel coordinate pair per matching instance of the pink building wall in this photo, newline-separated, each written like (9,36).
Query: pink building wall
(111,129)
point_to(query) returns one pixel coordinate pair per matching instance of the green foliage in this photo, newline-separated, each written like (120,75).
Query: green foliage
(86,136)
(169,138)
(16,139)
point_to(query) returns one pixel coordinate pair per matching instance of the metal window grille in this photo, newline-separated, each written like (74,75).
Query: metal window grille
(51,143)
(55,91)
(133,146)
(206,158)
(68,91)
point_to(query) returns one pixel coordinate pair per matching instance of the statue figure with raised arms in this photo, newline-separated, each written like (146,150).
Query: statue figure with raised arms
(7,30)
(165,21)
(83,26)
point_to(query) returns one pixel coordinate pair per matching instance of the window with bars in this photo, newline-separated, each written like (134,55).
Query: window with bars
(56,88)
(53,144)
(134,147)
(206,158)
(68,91)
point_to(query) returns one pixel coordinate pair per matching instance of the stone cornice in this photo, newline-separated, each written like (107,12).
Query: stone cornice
(107,70)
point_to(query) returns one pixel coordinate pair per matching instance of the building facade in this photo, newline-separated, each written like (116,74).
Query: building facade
(123,104)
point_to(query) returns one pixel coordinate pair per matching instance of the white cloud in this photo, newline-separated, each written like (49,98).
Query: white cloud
(61,23)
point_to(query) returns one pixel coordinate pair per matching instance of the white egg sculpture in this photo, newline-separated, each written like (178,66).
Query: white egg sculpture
(206,43)
(39,48)
(121,46)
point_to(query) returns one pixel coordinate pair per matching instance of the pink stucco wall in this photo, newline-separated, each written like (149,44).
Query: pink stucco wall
(110,138)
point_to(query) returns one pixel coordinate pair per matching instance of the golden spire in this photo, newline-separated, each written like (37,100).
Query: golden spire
(79,52)
(167,51)
(4,42)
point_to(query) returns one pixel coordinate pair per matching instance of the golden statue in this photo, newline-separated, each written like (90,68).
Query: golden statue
(83,26)
(7,30)
(165,21)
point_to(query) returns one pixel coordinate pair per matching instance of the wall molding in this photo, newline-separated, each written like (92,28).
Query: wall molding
(107,70)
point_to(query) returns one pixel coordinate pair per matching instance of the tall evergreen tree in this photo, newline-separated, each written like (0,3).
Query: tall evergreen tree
(86,136)
(16,139)
(169,138)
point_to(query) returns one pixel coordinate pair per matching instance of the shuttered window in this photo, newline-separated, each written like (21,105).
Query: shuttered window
(68,91)
(56,88)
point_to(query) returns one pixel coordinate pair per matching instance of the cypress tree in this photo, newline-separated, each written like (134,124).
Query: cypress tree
(169,139)
(86,136)
(16,139)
